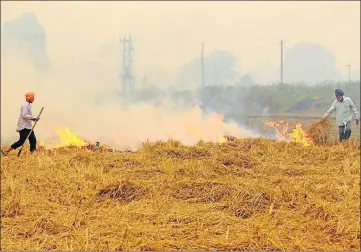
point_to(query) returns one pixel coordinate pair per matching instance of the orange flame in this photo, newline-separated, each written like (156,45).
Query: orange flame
(298,134)
(281,129)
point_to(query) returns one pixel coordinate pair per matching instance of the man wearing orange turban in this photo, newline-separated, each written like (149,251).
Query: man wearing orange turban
(24,126)
(30,97)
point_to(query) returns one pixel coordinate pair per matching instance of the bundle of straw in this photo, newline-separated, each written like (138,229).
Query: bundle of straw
(320,132)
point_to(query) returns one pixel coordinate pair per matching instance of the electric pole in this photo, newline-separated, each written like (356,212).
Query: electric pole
(349,73)
(203,84)
(131,78)
(124,72)
(127,78)
(282,46)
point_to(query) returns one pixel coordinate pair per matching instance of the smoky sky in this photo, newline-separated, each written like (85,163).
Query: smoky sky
(73,66)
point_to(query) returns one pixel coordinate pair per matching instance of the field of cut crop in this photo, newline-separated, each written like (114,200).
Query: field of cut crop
(248,194)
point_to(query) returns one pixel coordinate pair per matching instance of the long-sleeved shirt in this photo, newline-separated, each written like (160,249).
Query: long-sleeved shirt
(344,111)
(25,117)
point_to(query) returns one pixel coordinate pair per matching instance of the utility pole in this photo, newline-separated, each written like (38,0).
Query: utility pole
(124,72)
(349,73)
(131,78)
(127,78)
(203,84)
(282,46)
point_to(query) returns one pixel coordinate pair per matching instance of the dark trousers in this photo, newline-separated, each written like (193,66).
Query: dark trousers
(23,135)
(345,133)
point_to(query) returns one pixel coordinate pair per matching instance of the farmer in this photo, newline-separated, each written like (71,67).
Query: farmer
(344,108)
(24,126)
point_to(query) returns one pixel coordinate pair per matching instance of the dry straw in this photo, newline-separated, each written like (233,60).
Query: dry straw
(242,195)
(320,132)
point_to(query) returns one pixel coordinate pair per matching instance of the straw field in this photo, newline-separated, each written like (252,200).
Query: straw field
(248,194)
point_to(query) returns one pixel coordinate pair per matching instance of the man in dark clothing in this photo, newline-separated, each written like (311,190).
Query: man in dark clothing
(24,126)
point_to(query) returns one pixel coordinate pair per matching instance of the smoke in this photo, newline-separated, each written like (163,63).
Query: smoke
(90,104)
(79,86)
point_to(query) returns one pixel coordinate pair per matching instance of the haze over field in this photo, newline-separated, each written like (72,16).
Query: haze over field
(73,64)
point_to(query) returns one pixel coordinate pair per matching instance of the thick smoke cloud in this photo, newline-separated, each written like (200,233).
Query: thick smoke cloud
(87,97)
(79,83)
(92,110)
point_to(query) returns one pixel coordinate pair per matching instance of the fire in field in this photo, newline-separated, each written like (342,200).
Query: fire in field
(300,191)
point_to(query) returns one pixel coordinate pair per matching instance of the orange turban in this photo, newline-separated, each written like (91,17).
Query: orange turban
(30,96)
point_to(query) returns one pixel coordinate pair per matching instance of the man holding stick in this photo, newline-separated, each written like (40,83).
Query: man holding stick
(25,126)
(344,108)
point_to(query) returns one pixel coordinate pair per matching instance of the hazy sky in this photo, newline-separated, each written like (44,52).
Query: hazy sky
(166,35)
(170,33)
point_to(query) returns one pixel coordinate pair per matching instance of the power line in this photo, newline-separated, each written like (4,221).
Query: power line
(262,67)
(259,47)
